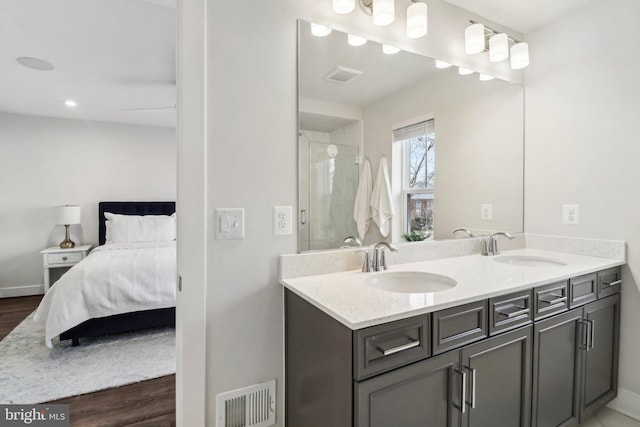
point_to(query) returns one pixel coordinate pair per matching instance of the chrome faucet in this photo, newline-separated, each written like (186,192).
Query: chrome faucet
(379,262)
(352,239)
(490,246)
(470,234)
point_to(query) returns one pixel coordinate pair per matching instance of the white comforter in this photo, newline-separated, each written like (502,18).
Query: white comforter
(113,279)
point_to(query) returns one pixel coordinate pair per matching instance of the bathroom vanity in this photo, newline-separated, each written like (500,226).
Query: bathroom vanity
(513,343)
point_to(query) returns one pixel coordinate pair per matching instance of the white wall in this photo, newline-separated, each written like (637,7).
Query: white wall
(251,163)
(47,162)
(582,109)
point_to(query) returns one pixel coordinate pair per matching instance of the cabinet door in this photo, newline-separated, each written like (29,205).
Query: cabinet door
(424,394)
(556,370)
(600,379)
(499,393)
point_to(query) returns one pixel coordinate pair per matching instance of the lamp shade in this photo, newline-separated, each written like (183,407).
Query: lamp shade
(417,20)
(67,215)
(519,56)
(474,39)
(343,6)
(384,12)
(498,47)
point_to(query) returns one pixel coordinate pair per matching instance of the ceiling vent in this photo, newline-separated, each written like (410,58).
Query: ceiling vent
(342,75)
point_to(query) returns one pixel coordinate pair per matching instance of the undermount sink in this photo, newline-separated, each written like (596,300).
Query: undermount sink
(410,282)
(529,261)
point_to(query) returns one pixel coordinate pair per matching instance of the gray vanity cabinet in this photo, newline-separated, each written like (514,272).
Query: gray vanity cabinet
(575,363)
(499,383)
(424,394)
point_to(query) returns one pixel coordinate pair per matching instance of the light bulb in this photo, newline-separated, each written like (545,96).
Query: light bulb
(343,6)
(498,47)
(464,71)
(320,30)
(486,77)
(355,40)
(70,103)
(442,64)
(474,39)
(383,12)
(519,56)
(389,50)
(417,20)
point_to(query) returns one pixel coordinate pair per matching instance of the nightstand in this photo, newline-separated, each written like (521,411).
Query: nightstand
(56,257)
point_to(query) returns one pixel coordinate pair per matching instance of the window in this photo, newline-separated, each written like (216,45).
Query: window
(418,147)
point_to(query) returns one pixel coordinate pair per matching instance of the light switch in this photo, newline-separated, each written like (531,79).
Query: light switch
(229,223)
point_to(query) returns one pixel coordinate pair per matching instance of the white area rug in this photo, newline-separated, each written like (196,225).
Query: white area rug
(32,373)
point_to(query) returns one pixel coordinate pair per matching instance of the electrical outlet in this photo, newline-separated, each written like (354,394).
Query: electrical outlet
(282,220)
(571,214)
(486,211)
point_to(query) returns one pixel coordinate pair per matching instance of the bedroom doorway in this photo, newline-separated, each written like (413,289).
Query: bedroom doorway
(89,111)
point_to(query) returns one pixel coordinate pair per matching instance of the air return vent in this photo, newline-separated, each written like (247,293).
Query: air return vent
(342,75)
(253,406)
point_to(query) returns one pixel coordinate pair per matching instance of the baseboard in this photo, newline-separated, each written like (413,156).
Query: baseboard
(21,291)
(627,403)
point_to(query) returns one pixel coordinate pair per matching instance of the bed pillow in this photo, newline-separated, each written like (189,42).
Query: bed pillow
(140,228)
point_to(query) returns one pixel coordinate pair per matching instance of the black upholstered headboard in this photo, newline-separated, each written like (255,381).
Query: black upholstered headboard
(131,208)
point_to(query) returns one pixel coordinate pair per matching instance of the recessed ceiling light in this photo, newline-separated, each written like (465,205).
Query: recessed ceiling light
(35,63)
(70,103)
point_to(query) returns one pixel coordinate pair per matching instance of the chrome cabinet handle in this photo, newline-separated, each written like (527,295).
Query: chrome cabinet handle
(472,403)
(591,335)
(617,282)
(584,334)
(463,396)
(515,313)
(399,348)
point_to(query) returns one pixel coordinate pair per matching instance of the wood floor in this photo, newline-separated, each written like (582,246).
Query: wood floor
(148,403)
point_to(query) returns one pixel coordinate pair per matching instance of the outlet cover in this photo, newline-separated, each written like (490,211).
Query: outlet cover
(282,220)
(486,211)
(571,214)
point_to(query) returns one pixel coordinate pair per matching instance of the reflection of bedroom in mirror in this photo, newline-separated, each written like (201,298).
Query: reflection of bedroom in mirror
(88,215)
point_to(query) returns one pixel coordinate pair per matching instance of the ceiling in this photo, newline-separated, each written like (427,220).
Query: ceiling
(108,55)
(523,16)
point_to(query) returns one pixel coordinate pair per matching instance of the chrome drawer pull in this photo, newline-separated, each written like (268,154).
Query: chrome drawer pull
(400,348)
(463,398)
(584,342)
(514,313)
(473,386)
(617,282)
(554,301)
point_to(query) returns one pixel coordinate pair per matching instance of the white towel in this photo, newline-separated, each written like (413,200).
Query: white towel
(381,202)
(362,205)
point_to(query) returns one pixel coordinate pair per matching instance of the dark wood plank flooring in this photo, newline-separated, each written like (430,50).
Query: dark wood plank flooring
(148,403)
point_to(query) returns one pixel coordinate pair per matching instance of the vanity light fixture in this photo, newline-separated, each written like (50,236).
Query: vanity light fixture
(384,13)
(464,71)
(498,47)
(344,6)
(497,44)
(320,30)
(389,50)
(417,22)
(356,40)
(486,77)
(442,64)
(519,56)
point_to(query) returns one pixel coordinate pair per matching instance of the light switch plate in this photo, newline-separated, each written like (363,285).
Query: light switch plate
(229,223)
(571,214)
(282,220)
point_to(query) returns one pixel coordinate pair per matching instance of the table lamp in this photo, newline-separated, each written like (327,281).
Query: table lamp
(68,215)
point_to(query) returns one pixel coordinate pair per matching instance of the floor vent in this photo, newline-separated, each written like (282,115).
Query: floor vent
(253,406)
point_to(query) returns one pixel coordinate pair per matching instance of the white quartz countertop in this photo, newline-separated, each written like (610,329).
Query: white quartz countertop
(346,297)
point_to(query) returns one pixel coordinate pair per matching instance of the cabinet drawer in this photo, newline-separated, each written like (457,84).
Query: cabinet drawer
(384,347)
(64,258)
(582,289)
(550,299)
(609,282)
(510,311)
(457,326)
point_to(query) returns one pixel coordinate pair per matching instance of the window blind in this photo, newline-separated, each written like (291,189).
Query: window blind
(411,131)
